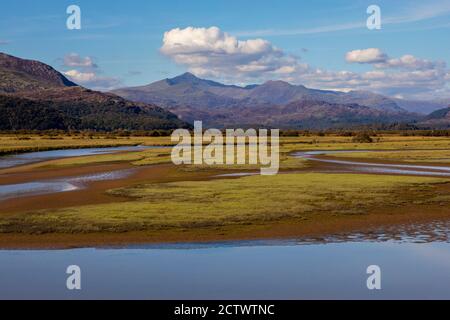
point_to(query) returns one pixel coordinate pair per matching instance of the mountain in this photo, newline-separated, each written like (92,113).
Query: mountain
(187,89)
(439,119)
(26,75)
(422,107)
(34,96)
(271,103)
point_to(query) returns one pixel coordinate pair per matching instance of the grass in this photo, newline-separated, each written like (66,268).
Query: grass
(244,201)
(255,200)
(439,156)
(408,145)
(25,143)
(10,144)
(382,142)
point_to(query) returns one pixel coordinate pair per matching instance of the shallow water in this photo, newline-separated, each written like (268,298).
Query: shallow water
(379,168)
(333,267)
(32,157)
(58,185)
(247,270)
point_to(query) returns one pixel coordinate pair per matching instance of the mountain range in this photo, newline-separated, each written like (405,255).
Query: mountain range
(274,103)
(34,96)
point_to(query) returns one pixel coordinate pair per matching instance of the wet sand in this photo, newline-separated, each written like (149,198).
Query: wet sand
(95,193)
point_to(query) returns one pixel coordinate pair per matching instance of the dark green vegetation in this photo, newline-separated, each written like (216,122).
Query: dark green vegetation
(34,96)
(362,138)
(19,113)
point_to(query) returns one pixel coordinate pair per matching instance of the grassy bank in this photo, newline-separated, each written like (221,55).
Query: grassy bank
(28,143)
(219,203)
(438,156)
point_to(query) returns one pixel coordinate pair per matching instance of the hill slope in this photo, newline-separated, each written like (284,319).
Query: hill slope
(35,96)
(439,119)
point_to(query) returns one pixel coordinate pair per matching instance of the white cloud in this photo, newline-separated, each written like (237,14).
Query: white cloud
(212,53)
(81,77)
(93,80)
(371,55)
(75,60)
(410,62)
(85,71)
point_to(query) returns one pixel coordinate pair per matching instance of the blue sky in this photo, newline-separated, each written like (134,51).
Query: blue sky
(305,42)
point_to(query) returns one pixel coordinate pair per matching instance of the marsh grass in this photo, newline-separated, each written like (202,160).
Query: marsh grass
(439,156)
(33,143)
(227,202)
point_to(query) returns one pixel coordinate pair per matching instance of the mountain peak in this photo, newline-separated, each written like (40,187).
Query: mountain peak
(278,83)
(191,79)
(185,77)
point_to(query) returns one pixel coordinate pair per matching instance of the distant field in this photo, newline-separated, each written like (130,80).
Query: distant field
(439,156)
(432,149)
(32,143)
(21,143)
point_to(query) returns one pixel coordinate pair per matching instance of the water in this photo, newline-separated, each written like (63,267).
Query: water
(376,168)
(58,185)
(332,267)
(232,271)
(32,157)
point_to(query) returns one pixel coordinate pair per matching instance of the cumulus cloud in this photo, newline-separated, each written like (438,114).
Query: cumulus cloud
(213,53)
(93,80)
(371,55)
(381,60)
(79,76)
(75,60)
(411,62)
(407,76)
(84,71)
(404,76)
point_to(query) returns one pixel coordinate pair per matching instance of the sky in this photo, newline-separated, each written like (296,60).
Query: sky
(321,44)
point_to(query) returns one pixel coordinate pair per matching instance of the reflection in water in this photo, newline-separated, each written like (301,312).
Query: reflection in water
(238,270)
(32,157)
(34,188)
(58,185)
(430,232)
(379,168)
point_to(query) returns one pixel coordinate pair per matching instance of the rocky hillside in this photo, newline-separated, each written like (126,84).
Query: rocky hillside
(35,96)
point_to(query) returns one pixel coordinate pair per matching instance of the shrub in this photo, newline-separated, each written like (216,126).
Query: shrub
(362,138)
